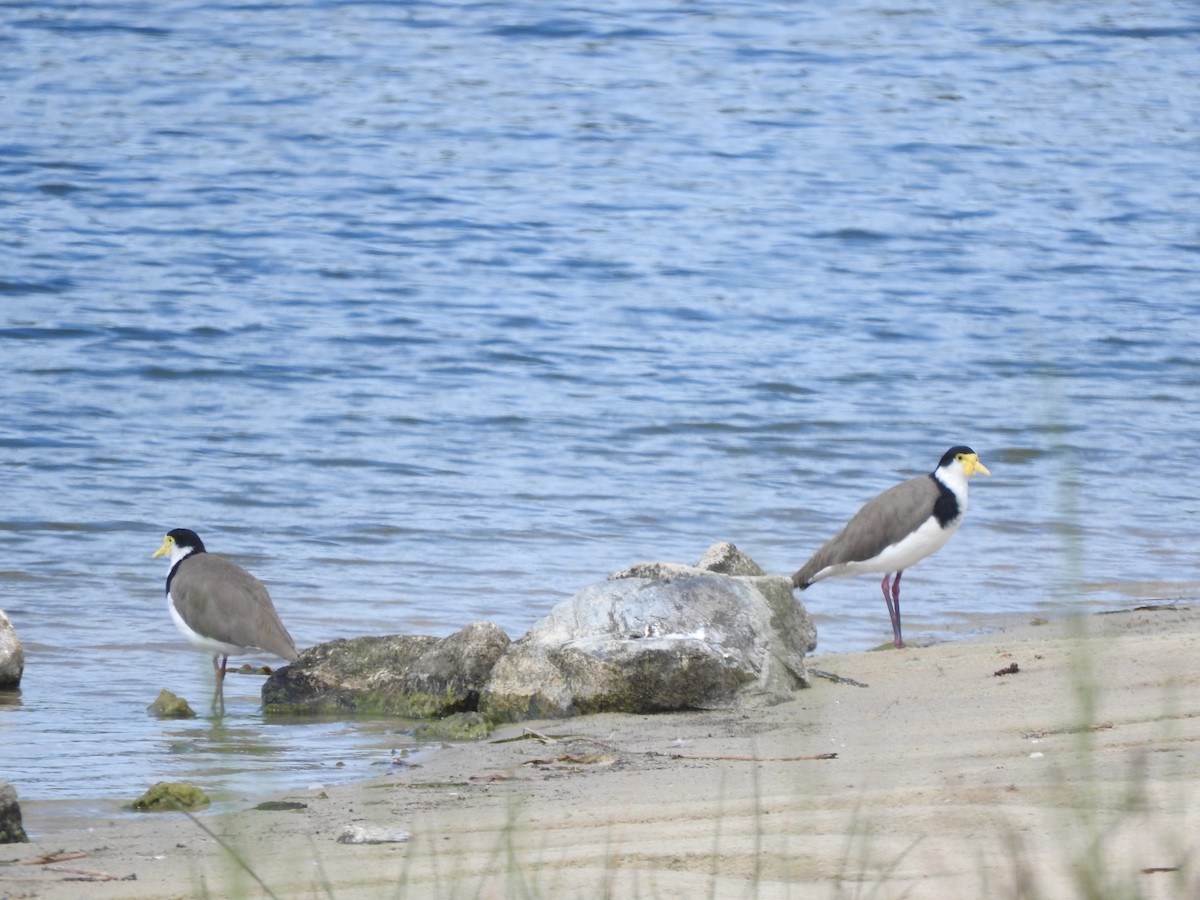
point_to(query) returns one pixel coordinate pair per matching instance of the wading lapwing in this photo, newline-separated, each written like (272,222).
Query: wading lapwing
(900,527)
(219,607)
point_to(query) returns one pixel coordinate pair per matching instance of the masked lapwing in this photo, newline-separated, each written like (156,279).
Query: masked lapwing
(219,607)
(900,527)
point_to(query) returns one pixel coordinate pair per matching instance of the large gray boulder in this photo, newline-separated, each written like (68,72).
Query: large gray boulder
(12,655)
(11,830)
(659,637)
(414,676)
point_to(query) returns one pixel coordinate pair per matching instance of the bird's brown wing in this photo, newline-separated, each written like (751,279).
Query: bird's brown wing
(224,601)
(886,520)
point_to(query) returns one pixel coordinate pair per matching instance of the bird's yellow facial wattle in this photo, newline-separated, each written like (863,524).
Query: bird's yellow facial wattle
(168,541)
(971,464)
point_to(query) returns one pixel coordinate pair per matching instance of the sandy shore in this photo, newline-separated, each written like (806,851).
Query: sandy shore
(937,779)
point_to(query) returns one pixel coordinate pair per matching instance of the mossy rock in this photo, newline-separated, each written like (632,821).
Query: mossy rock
(470,726)
(170,706)
(389,700)
(406,676)
(171,796)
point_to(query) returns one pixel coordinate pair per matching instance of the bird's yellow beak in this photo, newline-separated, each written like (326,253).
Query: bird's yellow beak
(971,465)
(164,549)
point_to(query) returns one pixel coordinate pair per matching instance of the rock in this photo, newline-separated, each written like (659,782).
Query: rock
(170,706)
(11,830)
(415,676)
(726,559)
(12,655)
(658,571)
(371,834)
(655,638)
(170,795)
(468,726)
(723,558)
(280,805)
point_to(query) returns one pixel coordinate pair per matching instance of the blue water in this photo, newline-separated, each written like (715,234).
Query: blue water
(429,313)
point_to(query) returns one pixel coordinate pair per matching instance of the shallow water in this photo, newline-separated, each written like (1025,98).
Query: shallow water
(430,313)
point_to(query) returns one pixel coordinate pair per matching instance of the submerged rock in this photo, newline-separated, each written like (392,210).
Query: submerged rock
(415,676)
(12,655)
(11,829)
(170,706)
(659,637)
(171,795)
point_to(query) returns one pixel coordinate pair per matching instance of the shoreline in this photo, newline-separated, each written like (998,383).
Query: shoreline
(939,778)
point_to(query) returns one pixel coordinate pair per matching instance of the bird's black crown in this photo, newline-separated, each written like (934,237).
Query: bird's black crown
(185,537)
(947,457)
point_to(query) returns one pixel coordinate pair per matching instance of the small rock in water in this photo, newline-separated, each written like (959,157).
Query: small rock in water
(170,706)
(12,655)
(247,669)
(366,834)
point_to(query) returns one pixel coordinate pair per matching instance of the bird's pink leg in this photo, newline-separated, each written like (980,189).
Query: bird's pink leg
(891,596)
(893,609)
(896,639)
(218,701)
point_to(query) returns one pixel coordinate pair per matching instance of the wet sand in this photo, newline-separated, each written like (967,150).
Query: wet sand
(939,778)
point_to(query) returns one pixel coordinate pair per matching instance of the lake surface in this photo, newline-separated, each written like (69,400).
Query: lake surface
(431,312)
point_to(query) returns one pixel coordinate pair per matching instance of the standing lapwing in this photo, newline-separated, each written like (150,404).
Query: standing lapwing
(900,527)
(220,607)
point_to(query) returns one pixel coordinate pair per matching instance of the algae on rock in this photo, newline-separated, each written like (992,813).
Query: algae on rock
(171,796)
(170,706)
